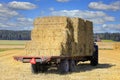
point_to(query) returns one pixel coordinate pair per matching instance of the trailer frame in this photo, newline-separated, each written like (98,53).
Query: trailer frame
(45,59)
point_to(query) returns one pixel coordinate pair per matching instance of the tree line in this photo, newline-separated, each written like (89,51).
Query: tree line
(108,36)
(26,35)
(15,35)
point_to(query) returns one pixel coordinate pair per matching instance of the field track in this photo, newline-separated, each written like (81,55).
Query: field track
(108,69)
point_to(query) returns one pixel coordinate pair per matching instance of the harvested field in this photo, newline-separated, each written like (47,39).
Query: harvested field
(12,44)
(105,45)
(108,69)
(109,45)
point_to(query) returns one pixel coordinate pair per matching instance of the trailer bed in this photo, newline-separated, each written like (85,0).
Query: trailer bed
(27,59)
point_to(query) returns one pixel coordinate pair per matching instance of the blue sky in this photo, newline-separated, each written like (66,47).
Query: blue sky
(20,14)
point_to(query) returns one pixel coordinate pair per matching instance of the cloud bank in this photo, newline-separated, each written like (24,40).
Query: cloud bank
(11,18)
(98,17)
(21,5)
(114,6)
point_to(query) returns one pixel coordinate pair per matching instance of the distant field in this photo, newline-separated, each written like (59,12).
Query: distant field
(108,41)
(3,50)
(13,42)
(6,49)
(6,45)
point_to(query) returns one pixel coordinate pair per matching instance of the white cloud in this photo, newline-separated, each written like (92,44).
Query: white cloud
(114,27)
(62,0)
(107,28)
(20,24)
(21,5)
(101,6)
(22,19)
(6,13)
(99,29)
(26,22)
(98,17)
(51,9)
(3,25)
(1,5)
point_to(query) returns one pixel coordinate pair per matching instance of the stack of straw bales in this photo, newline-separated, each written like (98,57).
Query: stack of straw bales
(60,36)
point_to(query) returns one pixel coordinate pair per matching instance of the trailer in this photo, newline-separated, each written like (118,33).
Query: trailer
(60,42)
(63,63)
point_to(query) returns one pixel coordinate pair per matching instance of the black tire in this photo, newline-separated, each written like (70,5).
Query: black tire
(44,67)
(72,65)
(94,58)
(34,68)
(38,67)
(64,66)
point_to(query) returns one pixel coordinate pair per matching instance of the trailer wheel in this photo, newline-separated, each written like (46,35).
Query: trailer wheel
(72,64)
(64,66)
(39,67)
(94,58)
(44,67)
(34,68)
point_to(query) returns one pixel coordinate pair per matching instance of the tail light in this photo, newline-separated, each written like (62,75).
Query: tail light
(33,61)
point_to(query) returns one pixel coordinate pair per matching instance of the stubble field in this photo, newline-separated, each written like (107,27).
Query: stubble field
(108,68)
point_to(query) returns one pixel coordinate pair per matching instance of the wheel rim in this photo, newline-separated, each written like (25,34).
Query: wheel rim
(66,66)
(72,65)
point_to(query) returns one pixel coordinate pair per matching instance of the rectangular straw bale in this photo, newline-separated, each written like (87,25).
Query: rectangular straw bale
(89,38)
(79,34)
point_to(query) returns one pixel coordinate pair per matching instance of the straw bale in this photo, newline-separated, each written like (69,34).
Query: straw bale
(117,45)
(89,37)
(79,36)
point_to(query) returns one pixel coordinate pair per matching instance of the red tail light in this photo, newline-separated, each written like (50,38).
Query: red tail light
(33,61)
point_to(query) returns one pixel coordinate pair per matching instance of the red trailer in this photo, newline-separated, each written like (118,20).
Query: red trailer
(63,63)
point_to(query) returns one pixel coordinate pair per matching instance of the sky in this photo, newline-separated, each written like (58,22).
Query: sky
(20,14)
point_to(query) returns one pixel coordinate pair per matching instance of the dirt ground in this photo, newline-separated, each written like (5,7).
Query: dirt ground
(108,68)
(11,46)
